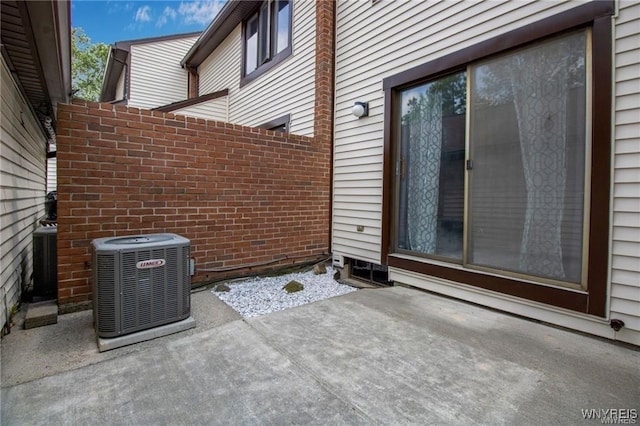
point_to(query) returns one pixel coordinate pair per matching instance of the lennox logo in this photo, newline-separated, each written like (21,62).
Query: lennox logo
(151,263)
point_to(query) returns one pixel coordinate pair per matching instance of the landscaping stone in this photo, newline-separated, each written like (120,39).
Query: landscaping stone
(319,268)
(262,295)
(293,286)
(222,288)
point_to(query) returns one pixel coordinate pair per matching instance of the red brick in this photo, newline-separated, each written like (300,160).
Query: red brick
(241,194)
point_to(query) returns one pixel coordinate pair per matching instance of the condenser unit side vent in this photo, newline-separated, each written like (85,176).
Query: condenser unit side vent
(106,294)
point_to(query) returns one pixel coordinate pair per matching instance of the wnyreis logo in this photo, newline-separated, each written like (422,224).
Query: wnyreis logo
(151,263)
(612,416)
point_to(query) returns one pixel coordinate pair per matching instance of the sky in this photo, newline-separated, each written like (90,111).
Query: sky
(108,21)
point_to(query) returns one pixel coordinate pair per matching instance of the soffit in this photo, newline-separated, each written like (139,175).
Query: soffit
(17,41)
(36,45)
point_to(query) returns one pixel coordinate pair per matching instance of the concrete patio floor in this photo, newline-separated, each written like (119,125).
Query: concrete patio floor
(375,356)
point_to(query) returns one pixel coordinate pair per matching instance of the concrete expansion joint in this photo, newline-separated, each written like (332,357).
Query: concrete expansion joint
(301,367)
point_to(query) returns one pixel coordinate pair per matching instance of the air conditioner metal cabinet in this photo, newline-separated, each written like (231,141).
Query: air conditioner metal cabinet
(45,266)
(140,282)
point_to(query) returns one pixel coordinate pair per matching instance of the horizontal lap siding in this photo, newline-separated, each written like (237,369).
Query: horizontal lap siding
(375,41)
(215,109)
(52,175)
(22,190)
(156,75)
(221,70)
(288,88)
(625,274)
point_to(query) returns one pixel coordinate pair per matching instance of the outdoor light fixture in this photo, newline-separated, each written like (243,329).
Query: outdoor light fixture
(360,109)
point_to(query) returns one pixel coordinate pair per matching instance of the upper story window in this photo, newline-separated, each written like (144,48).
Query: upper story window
(267,38)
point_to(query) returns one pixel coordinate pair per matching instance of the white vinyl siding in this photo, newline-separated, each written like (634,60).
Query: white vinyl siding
(215,109)
(52,174)
(378,40)
(156,75)
(22,188)
(375,41)
(288,88)
(625,263)
(221,70)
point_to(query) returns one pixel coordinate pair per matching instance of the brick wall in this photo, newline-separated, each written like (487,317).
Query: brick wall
(324,83)
(241,195)
(324,69)
(193,83)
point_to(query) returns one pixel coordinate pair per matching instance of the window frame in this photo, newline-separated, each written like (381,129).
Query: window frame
(277,123)
(272,59)
(597,16)
(396,152)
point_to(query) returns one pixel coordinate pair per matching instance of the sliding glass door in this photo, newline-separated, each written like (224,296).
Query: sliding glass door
(491,164)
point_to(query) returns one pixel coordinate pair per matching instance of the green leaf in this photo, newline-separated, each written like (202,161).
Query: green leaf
(88,61)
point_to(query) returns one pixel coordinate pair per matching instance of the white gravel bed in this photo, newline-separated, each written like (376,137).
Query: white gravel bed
(263,295)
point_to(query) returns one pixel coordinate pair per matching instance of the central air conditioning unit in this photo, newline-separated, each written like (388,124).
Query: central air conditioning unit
(140,282)
(45,272)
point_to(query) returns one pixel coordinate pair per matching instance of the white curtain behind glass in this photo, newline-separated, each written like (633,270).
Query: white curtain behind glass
(423,175)
(522,105)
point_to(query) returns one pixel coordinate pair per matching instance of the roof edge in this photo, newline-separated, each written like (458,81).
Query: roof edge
(190,102)
(116,62)
(232,14)
(126,44)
